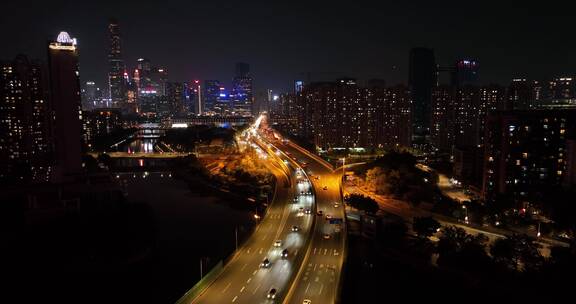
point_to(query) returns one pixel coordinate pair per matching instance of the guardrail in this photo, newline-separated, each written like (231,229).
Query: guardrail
(345,236)
(201,285)
(312,155)
(217,270)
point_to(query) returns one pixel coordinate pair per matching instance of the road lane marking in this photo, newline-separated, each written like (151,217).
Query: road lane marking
(254,292)
(325,250)
(307,286)
(248,250)
(250,279)
(314,250)
(226,288)
(336,252)
(244,266)
(260,251)
(243,287)
(234,300)
(255,271)
(321,286)
(315,267)
(317,279)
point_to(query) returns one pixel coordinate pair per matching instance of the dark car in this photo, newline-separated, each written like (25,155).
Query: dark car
(284,254)
(265,263)
(271,293)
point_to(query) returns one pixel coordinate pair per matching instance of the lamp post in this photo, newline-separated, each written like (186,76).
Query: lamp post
(201,274)
(236,235)
(466,212)
(538,234)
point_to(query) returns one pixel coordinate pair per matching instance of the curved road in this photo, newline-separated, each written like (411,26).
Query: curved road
(319,277)
(243,280)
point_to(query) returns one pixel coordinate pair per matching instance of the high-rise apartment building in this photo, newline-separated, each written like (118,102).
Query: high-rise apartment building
(422,78)
(528,153)
(24,122)
(343,114)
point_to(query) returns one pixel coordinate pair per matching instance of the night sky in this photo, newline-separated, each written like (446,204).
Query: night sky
(194,39)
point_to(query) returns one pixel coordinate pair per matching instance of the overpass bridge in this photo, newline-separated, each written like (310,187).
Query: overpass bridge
(159,155)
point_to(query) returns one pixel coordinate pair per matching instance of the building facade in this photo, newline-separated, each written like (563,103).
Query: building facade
(116,66)
(422,78)
(66,105)
(25,138)
(242,93)
(528,153)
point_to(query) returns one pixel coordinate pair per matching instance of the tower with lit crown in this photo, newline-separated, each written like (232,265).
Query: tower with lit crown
(66,105)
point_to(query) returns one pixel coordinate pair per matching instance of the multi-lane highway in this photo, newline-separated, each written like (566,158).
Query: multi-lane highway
(243,279)
(319,277)
(310,273)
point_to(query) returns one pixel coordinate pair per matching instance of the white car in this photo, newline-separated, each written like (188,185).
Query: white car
(278,243)
(336,205)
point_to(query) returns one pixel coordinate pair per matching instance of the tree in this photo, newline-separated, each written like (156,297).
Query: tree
(517,252)
(363,203)
(376,180)
(462,250)
(425,226)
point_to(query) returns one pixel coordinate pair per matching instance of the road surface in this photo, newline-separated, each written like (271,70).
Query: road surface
(243,280)
(319,278)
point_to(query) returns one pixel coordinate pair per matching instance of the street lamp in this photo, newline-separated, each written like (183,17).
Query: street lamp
(538,234)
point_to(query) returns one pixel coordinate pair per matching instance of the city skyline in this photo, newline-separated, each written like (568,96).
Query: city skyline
(286,153)
(281,38)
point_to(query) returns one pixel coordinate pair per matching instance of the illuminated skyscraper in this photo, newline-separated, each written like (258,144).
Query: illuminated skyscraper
(242,95)
(65,100)
(175,94)
(211,94)
(116,66)
(466,72)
